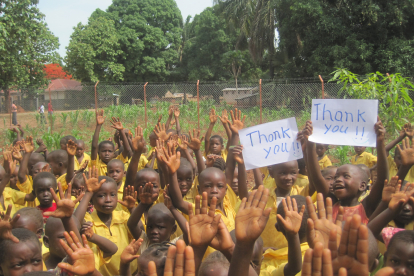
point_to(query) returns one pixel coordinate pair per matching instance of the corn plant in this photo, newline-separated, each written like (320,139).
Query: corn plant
(74,118)
(4,122)
(52,140)
(63,117)
(341,153)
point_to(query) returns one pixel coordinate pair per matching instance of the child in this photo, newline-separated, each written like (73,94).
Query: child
(400,253)
(60,165)
(64,141)
(156,253)
(214,264)
(42,184)
(31,219)
(302,179)
(363,157)
(323,159)
(214,144)
(116,172)
(53,233)
(81,156)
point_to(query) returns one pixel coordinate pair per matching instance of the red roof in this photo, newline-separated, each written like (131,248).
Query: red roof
(63,84)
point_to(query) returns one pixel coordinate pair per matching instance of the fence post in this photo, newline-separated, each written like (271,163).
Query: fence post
(10,107)
(260,91)
(198,103)
(96,99)
(145,103)
(323,87)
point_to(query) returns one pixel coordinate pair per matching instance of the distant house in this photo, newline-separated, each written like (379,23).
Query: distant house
(231,94)
(61,89)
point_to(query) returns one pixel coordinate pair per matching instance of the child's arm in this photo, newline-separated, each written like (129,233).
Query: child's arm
(179,218)
(41,144)
(257,178)
(177,122)
(395,142)
(195,145)
(138,144)
(14,129)
(107,247)
(170,114)
(128,255)
(407,157)
(161,132)
(374,198)
(146,200)
(390,188)
(129,198)
(184,147)
(116,124)
(163,169)
(100,119)
(6,225)
(152,161)
(242,176)
(71,150)
(291,223)
(213,120)
(21,131)
(251,220)
(224,120)
(28,147)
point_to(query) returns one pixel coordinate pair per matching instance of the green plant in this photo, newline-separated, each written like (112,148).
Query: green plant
(341,153)
(63,117)
(74,117)
(52,140)
(4,122)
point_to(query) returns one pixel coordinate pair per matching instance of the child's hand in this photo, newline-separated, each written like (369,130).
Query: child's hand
(42,146)
(93,184)
(129,197)
(145,194)
(222,240)
(238,154)
(173,142)
(160,151)
(203,225)
(64,206)
(138,142)
(171,158)
(116,124)
(6,225)
(27,145)
(210,159)
(238,123)
(183,145)
(171,110)
(408,130)
(212,116)
(86,229)
(303,135)
(83,166)
(293,219)
(130,252)
(401,197)
(195,143)
(252,217)
(81,257)
(390,188)
(319,229)
(14,129)
(176,112)
(224,117)
(379,130)
(17,155)
(318,262)
(167,199)
(9,163)
(100,119)
(159,119)
(71,148)
(407,152)
(161,132)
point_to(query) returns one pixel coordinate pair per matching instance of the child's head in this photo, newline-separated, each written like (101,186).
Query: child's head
(157,253)
(30,219)
(329,176)
(19,258)
(397,157)
(41,187)
(257,256)
(64,141)
(116,170)
(216,264)
(34,158)
(185,176)
(373,252)
(13,178)
(105,199)
(160,224)
(406,215)
(400,253)
(80,148)
(285,174)
(350,182)
(220,164)
(2,173)
(302,166)
(58,160)
(145,176)
(359,150)
(153,139)
(53,233)
(216,144)
(106,150)
(173,132)
(77,184)
(321,149)
(213,182)
(300,201)
(365,169)
(235,182)
(38,167)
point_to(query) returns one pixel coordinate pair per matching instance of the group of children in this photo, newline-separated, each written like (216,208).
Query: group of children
(174,208)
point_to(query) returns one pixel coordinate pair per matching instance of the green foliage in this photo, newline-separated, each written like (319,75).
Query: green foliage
(342,154)
(74,117)
(87,117)
(52,120)
(393,93)
(10,136)
(51,140)
(63,117)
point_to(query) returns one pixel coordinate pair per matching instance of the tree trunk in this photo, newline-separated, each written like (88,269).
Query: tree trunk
(7,104)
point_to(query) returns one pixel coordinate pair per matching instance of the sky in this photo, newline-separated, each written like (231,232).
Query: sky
(62,16)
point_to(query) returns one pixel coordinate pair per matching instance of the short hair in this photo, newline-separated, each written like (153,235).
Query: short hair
(364,175)
(106,142)
(219,163)
(208,171)
(173,131)
(145,170)
(44,175)
(51,225)
(65,139)
(301,163)
(214,259)
(59,156)
(157,251)
(160,208)
(326,146)
(79,141)
(116,161)
(327,169)
(365,169)
(217,137)
(185,163)
(79,176)
(107,179)
(36,157)
(40,273)
(405,236)
(32,212)
(23,235)
(300,201)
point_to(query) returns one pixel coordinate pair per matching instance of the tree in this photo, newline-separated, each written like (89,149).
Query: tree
(94,51)
(26,44)
(55,71)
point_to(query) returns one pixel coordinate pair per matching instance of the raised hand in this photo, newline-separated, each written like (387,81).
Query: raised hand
(9,164)
(100,119)
(401,197)
(64,206)
(14,129)
(130,252)
(319,228)
(318,262)
(159,150)
(138,142)
(183,145)
(116,124)
(224,117)
(179,262)
(86,229)
(238,154)
(71,148)
(407,152)
(176,112)
(195,143)
(293,219)
(238,123)
(83,166)
(211,158)
(159,119)
(173,142)
(145,194)
(39,142)
(390,188)
(171,158)
(6,225)
(252,216)
(81,257)
(161,132)
(129,197)
(203,224)
(93,184)
(27,145)
(408,130)
(379,130)
(167,199)
(212,116)
(17,155)
(171,110)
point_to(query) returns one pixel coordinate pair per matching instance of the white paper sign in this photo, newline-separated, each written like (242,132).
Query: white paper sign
(344,122)
(270,143)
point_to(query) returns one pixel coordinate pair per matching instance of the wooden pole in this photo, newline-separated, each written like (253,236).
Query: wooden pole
(198,103)
(10,109)
(145,103)
(260,91)
(50,96)
(96,98)
(323,87)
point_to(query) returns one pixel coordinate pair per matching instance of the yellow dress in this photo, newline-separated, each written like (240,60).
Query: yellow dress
(27,186)
(102,167)
(325,162)
(86,157)
(393,170)
(302,180)
(13,197)
(365,158)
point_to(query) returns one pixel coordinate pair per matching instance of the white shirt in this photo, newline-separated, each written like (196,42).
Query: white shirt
(42,109)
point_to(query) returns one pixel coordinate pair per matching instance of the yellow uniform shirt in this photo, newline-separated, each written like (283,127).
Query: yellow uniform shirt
(365,158)
(274,261)
(13,197)
(393,170)
(193,192)
(302,180)
(27,186)
(102,167)
(325,162)
(223,154)
(62,180)
(117,233)
(155,161)
(119,206)
(264,171)
(86,157)
(143,161)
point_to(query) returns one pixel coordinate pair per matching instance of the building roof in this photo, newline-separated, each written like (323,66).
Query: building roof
(64,84)
(239,89)
(246,96)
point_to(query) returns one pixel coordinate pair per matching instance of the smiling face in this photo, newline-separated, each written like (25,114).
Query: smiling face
(359,150)
(42,191)
(401,258)
(215,146)
(285,174)
(349,182)
(106,152)
(106,199)
(185,179)
(22,257)
(213,182)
